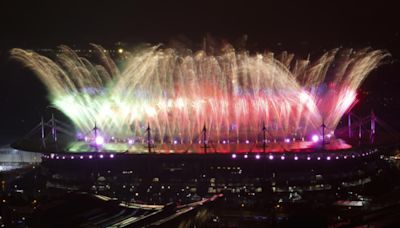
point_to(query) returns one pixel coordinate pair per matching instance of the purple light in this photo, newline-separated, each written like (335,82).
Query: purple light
(99,140)
(337,157)
(318,158)
(90,156)
(257,156)
(287,140)
(282,157)
(224,142)
(233,156)
(296,158)
(247,141)
(308,158)
(72,157)
(175,141)
(111,155)
(130,141)
(101,156)
(328,158)
(63,157)
(271,157)
(315,138)
(246,156)
(79,136)
(345,157)
(81,157)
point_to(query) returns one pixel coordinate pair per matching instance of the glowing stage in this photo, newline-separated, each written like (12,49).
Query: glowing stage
(219,148)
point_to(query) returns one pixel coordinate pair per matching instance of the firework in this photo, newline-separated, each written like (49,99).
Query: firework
(234,94)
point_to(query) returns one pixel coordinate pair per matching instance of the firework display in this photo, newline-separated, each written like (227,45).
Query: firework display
(233,94)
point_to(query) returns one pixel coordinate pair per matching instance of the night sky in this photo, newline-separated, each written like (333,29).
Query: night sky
(297,26)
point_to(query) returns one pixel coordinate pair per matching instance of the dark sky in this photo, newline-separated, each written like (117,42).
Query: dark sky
(297,26)
(338,22)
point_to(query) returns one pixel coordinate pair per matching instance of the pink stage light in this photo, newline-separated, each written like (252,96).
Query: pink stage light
(99,140)
(315,138)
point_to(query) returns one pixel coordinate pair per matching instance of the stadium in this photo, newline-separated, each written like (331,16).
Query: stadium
(172,126)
